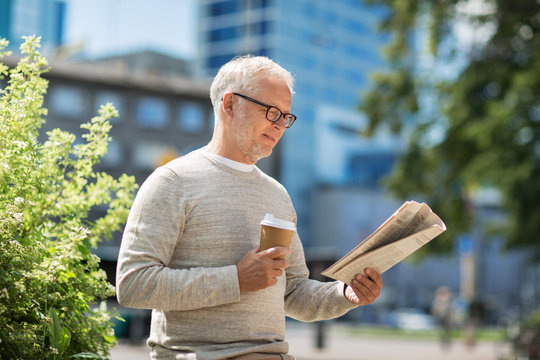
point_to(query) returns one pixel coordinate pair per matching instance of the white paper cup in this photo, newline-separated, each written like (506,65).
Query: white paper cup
(275,232)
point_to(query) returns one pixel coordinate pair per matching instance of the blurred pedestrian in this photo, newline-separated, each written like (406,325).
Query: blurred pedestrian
(189,249)
(442,311)
(475,315)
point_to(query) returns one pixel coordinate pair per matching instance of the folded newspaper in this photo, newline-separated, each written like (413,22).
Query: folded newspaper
(412,226)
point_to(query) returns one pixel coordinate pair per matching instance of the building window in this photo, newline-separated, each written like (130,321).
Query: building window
(212,118)
(262,52)
(60,12)
(355,77)
(224,7)
(215,62)
(192,147)
(310,11)
(26,18)
(350,98)
(307,62)
(224,34)
(67,101)
(191,117)
(114,155)
(260,28)
(104,97)
(152,112)
(256,4)
(330,70)
(359,52)
(368,169)
(305,88)
(330,18)
(150,155)
(357,27)
(330,95)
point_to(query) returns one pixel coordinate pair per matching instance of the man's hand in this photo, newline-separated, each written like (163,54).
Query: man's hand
(259,270)
(365,288)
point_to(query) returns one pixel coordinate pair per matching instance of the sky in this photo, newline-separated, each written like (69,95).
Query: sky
(109,27)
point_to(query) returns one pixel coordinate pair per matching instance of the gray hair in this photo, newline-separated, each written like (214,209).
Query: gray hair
(239,75)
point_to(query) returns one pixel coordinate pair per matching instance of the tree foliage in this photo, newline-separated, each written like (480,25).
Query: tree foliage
(464,79)
(50,282)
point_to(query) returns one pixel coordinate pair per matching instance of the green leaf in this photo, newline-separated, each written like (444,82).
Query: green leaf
(59,336)
(65,339)
(49,279)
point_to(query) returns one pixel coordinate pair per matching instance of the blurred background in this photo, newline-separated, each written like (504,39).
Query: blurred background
(396,100)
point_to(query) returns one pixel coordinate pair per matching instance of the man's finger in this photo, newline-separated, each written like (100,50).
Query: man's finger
(375,276)
(277,251)
(365,285)
(361,297)
(277,273)
(280,264)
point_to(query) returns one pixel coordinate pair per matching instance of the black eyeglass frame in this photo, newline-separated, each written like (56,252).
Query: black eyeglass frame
(289,118)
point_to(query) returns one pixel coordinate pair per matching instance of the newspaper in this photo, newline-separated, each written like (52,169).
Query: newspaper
(412,226)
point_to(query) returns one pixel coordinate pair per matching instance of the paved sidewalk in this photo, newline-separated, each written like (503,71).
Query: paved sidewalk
(342,345)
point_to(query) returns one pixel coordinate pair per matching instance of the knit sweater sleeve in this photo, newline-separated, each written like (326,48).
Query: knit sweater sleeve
(153,230)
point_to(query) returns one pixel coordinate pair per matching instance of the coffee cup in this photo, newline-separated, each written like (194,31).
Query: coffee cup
(275,232)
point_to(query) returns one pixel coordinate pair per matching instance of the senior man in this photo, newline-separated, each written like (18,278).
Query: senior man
(189,249)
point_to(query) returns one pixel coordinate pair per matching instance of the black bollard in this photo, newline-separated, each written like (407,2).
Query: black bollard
(321,335)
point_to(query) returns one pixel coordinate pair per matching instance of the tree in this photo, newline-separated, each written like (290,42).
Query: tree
(476,127)
(49,279)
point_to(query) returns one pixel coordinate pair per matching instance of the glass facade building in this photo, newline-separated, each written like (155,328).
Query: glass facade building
(330,47)
(45,18)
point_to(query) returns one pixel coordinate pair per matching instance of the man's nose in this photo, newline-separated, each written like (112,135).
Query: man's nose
(280,123)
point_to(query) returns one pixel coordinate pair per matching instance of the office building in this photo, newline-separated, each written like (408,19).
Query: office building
(331,172)
(330,47)
(43,18)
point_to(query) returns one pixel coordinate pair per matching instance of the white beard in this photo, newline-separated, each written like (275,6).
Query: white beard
(254,151)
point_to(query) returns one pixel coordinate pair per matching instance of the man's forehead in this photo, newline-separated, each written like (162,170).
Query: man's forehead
(272,88)
(269,80)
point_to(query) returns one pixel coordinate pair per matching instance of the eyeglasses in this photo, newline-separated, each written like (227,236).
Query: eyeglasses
(273,114)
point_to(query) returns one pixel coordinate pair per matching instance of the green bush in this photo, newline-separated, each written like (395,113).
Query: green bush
(50,282)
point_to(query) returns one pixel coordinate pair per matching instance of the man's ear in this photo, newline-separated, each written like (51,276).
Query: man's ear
(227,104)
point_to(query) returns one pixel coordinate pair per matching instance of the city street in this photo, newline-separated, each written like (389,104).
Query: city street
(342,345)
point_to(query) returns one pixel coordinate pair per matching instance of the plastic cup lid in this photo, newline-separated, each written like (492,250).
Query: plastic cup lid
(270,220)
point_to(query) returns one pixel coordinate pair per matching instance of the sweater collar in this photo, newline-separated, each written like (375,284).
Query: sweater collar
(236,165)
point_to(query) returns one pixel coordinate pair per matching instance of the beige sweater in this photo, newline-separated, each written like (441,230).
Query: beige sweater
(191,222)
